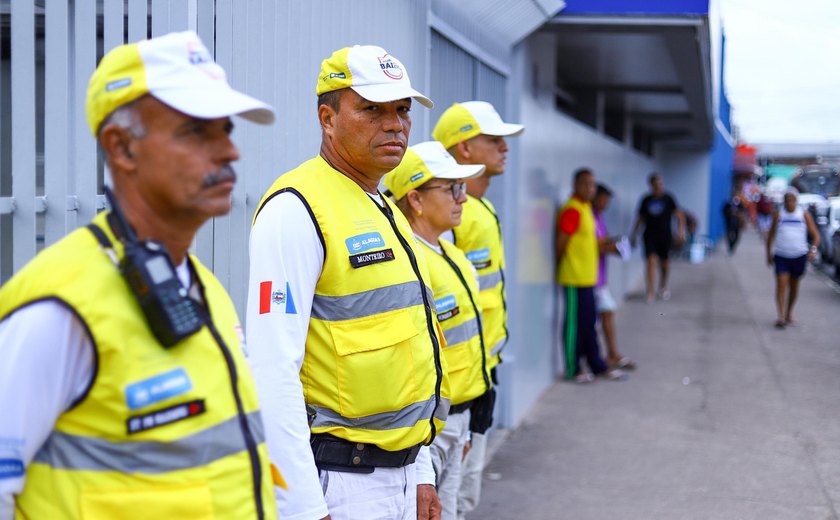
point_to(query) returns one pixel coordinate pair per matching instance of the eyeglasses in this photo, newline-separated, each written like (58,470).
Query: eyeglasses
(457,188)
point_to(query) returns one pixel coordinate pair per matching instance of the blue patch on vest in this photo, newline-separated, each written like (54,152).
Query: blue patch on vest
(364,242)
(479,255)
(445,303)
(11,468)
(157,388)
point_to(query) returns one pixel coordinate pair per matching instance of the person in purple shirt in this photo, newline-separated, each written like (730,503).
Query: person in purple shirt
(604,301)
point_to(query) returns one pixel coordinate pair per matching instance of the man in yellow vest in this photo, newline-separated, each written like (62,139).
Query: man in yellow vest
(474,133)
(577,273)
(344,342)
(124,389)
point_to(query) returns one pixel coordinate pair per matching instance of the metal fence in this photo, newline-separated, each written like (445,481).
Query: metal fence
(51,173)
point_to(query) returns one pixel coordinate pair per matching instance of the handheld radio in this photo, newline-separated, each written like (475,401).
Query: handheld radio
(170,312)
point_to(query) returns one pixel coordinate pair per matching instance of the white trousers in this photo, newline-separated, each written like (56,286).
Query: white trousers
(385,494)
(447,450)
(470,492)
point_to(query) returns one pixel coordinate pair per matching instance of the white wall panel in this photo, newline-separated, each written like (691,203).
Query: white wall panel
(452,77)
(57,104)
(552,147)
(23,137)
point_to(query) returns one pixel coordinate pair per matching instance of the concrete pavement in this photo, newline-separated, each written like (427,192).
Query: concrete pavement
(726,417)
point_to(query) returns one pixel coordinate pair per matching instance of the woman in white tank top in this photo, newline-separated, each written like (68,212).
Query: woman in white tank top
(788,250)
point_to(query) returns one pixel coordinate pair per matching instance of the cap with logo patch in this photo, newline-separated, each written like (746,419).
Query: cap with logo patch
(424,162)
(177,70)
(371,72)
(464,121)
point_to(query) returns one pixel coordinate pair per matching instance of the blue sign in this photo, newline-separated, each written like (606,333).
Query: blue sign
(634,7)
(479,255)
(365,242)
(445,303)
(11,468)
(157,388)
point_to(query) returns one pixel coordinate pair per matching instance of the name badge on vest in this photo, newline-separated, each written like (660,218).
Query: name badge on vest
(363,259)
(169,415)
(480,258)
(447,308)
(361,249)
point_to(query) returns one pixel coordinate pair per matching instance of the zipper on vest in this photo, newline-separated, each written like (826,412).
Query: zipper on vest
(501,271)
(477,318)
(386,210)
(256,471)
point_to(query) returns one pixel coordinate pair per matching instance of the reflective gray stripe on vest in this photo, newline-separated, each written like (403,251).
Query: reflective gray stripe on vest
(368,303)
(461,333)
(498,347)
(489,281)
(65,451)
(405,418)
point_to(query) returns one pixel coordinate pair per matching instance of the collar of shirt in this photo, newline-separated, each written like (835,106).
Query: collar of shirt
(435,247)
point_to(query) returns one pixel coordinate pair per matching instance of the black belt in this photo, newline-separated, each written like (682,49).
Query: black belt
(334,454)
(461,407)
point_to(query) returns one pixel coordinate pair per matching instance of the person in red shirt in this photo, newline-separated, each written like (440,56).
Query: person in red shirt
(577,272)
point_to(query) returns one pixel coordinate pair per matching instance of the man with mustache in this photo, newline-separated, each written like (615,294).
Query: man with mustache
(122,360)
(343,338)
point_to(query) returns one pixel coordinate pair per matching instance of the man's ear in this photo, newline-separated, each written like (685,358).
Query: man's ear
(116,143)
(326,116)
(462,151)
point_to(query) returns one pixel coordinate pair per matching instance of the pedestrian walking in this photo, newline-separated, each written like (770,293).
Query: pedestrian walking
(604,302)
(764,210)
(733,217)
(341,332)
(656,212)
(429,188)
(788,251)
(474,133)
(577,273)
(138,398)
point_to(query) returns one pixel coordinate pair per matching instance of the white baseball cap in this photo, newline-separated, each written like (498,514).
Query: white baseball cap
(464,121)
(424,162)
(371,72)
(175,69)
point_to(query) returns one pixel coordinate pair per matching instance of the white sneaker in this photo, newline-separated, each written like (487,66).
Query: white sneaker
(664,294)
(583,378)
(616,374)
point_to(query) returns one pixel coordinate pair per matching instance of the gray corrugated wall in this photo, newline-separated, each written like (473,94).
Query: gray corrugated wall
(284,43)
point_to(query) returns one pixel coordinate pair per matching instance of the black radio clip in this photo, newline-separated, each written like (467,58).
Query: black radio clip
(147,268)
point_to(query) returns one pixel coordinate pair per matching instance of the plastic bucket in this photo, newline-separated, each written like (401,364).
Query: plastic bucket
(697,253)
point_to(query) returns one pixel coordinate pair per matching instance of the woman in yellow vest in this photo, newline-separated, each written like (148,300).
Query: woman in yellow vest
(429,188)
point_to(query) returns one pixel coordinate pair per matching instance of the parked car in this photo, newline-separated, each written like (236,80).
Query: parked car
(817,205)
(827,231)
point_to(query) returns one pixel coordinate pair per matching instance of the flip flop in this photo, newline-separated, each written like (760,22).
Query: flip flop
(625,363)
(779,324)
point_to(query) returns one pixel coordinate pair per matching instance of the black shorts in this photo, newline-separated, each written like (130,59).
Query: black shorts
(794,266)
(659,246)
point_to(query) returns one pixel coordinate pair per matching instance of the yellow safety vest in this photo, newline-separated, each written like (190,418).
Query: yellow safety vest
(459,313)
(479,236)
(578,267)
(161,433)
(373,371)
